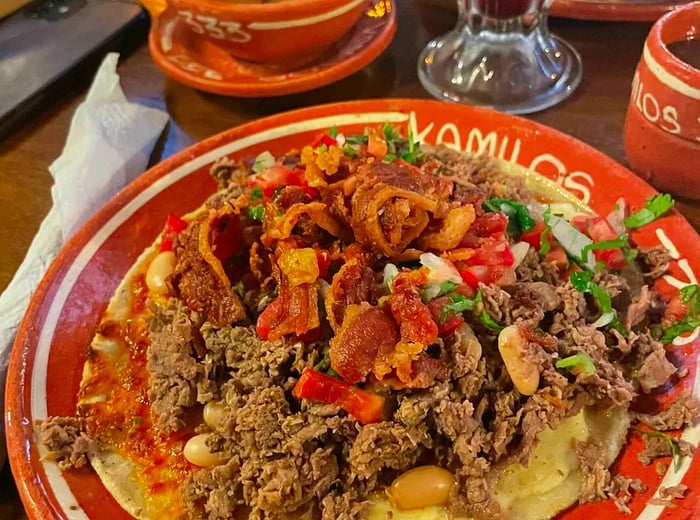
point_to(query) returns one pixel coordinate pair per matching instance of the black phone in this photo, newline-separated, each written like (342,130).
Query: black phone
(46,39)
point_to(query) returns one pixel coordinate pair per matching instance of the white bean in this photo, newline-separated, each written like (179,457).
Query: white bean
(421,487)
(213,413)
(162,266)
(524,373)
(198,453)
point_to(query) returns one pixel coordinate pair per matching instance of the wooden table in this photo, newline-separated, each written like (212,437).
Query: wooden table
(594,114)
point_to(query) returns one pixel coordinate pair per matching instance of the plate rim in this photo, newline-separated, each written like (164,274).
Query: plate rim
(19,432)
(612,12)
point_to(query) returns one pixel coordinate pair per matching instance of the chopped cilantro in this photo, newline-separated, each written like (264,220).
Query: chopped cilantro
(321,148)
(583,282)
(447,287)
(580,363)
(388,158)
(458,304)
(256,193)
(690,296)
(350,151)
(390,133)
(256,212)
(356,139)
(325,366)
(239,289)
(519,219)
(333,132)
(489,321)
(654,207)
(621,243)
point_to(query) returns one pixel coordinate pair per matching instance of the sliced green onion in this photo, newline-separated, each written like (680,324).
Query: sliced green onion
(580,363)
(256,212)
(654,207)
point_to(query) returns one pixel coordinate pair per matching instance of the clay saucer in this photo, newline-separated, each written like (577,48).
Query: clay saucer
(204,66)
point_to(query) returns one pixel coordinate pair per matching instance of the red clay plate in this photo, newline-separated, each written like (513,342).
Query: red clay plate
(49,352)
(206,67)
(614,10)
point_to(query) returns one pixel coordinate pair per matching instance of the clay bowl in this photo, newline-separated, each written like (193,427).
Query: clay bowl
(286,34)
(662,127)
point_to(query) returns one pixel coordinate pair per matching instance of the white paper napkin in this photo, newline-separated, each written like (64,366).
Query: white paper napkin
(109,143)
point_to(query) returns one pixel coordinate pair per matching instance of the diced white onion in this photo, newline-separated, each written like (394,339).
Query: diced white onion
(263,161)
(571,239)
(519,252)
(439,270)
(604,319)
(340,139)
(431,290)
(390,272)
(617,216)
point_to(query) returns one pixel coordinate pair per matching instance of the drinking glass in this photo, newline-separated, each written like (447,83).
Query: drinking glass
(501,55)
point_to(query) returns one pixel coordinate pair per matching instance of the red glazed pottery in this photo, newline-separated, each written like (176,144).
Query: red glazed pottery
(204,66)
(287,34)
(49,353)
(662,127)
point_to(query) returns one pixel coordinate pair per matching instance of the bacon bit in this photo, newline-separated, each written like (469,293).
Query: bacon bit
(350,285)
(365,331)
(204,245)
(413,316)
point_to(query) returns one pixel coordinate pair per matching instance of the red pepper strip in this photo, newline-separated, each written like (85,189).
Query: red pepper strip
(325,139)
(317,386)
(269,318)
(173,226)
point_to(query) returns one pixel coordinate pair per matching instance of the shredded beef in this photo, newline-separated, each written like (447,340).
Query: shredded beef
(655,371)
(681,412)
(66,441)
(172,369)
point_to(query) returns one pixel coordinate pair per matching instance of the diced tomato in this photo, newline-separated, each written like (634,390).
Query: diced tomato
(323,258)
(274,177)
(492,252)
(375,144)
(452,320)
(600,230)
(675,311)
(269,318)
(325,139)
(534,236)
(557,256)
(364,406)
(664,290)
(489,224)
(173,226)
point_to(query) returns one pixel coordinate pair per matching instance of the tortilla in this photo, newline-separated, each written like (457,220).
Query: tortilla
(145,480)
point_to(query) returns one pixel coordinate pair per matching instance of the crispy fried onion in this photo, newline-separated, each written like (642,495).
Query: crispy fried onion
(204,242)
(454,226)
(388,219)
(280,227)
